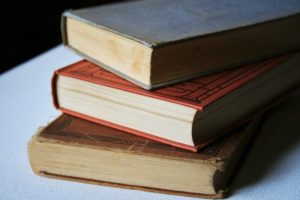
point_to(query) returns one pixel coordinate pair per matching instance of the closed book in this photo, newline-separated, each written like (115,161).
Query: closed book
(75,149)
(186,115)
(158,43)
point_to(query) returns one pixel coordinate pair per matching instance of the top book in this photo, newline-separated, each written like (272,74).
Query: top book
(157,43)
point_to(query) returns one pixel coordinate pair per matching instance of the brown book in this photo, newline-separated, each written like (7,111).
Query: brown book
(74,149)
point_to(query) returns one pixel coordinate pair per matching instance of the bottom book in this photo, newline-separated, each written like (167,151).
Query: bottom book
(74,149)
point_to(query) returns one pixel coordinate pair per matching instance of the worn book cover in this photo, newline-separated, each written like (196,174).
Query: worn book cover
(198,93)
(74,149)
(213,103)
(157,43)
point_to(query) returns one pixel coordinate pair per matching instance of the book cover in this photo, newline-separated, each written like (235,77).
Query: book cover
(156,23)
(158,43)
(197,93)
(221,156)
(225,96)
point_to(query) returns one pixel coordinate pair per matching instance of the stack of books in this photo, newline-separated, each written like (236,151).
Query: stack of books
(170,93)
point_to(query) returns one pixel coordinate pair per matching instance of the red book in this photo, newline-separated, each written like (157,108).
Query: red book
(186,115)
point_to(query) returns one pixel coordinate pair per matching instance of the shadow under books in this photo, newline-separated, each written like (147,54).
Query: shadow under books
(277,137)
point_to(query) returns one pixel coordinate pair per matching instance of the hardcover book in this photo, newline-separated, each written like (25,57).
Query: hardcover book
(186,115)
(157,43)
(74,149)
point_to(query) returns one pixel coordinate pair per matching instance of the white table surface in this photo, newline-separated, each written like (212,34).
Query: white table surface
(270,171)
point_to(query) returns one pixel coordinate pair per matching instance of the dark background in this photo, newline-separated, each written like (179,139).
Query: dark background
(30,28)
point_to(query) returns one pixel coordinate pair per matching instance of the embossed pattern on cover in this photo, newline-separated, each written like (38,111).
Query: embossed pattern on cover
(197,93)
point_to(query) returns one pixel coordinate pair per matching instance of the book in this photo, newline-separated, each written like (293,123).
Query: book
(75,149)
(158,43)
(186,115)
